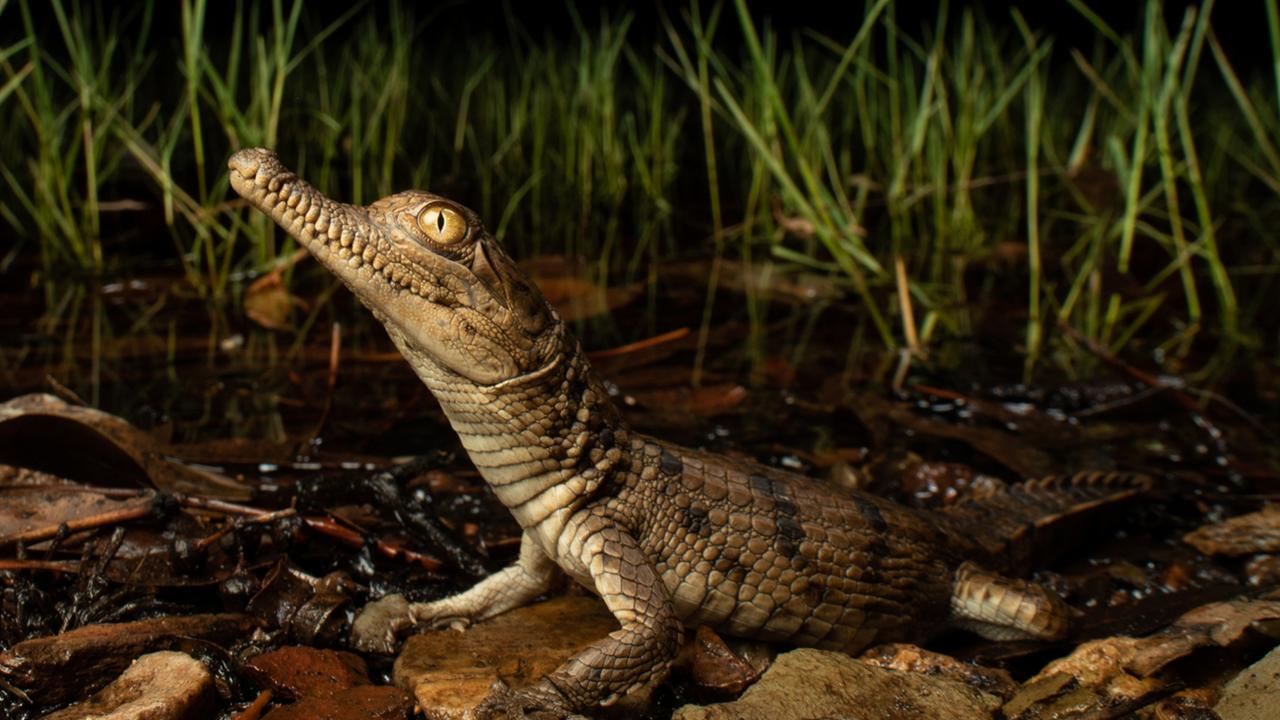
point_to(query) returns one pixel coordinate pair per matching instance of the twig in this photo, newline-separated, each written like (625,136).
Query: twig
(640,344)
(53,565)
(1138,374)
(64,392)
(254,711)
(267,517)
(904,305)
(335,355)
(351,538)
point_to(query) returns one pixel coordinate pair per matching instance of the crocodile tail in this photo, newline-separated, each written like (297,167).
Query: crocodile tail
(1028,524)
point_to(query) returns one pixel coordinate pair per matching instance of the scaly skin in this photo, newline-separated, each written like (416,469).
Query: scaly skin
(667,536)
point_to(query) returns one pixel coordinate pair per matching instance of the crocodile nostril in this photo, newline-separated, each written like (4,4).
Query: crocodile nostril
(245,162)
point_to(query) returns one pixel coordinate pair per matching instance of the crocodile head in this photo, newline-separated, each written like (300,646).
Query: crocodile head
(449,296)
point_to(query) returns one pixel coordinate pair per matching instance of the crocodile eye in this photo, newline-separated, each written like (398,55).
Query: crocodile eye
(442,224)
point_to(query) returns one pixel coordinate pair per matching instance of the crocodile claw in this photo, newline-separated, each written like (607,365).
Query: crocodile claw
(539,701)
(378,624)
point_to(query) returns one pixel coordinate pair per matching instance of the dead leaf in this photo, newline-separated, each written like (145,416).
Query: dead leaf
(93,654)
(705,401)
(1117,672)
(795,226)
(45,433)
(268,302)
(1005,448)
(761,278)
(564,284)
(1257,532)
(25,510)
(716,667)
(905,657)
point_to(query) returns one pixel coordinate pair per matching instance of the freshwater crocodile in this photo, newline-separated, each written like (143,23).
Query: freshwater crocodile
(667,536)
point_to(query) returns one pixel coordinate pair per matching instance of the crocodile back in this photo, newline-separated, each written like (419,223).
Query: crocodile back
(755,551)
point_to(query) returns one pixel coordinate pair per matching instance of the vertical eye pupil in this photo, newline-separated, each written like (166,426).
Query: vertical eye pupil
(439,224)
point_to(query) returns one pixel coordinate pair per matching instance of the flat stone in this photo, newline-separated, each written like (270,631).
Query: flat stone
(451,672)
(810,684)
(161,686)
(1254,694)
(299,672)
(364,702)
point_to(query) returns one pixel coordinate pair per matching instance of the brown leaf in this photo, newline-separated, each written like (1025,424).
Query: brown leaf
(268,303)
(705,401)
(905,657)
(1008,449)
(295,671)
(1118,671)
(94,654)
(760,279)
(716,667)
(45,433)
(27,510)
(1257,532)
(564,284)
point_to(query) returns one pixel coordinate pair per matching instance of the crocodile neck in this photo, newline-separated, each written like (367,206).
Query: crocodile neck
(544,441)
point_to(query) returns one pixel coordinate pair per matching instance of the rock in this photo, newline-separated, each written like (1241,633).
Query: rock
(810,683)
(297,672)
(451,672)
(364,702)
(905,657)
(63,668)
(1253,694)
(159,686)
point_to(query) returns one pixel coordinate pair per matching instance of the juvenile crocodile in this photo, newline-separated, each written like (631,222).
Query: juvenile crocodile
(667,536)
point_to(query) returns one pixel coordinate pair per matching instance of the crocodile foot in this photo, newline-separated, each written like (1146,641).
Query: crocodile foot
(378,624)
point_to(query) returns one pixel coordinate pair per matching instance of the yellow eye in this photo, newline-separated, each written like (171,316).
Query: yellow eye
(442,224)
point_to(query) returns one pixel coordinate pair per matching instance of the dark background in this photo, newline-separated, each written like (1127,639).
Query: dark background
(1234,21)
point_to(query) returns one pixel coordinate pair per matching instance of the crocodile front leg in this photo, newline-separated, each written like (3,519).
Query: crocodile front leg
(634,656)
(376,627)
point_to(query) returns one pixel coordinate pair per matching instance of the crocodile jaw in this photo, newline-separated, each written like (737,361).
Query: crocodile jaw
(342,237)
(434,308)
